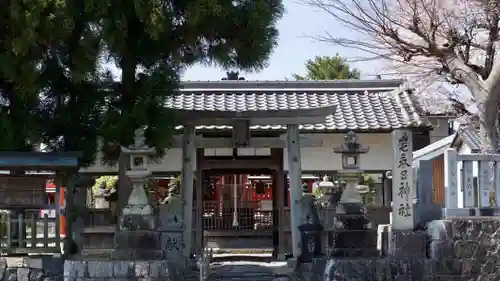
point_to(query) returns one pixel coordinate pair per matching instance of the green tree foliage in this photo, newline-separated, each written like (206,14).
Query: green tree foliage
(25,38)
(55,90)
(152,42)
(328,68)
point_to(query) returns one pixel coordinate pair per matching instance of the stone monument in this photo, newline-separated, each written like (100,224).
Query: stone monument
(310,229)
(353,239)
(137,236)
(171,226)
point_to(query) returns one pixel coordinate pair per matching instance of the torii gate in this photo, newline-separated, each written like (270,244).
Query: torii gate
(241,122)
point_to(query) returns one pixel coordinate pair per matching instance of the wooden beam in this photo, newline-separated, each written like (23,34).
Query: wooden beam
(237,164)
(280,142)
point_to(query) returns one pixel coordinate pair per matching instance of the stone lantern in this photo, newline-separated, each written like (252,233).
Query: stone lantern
(137,237)
(350,152)
(351,221)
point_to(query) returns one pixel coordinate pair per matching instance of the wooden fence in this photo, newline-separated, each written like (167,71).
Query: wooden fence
(25,232)
(472,182)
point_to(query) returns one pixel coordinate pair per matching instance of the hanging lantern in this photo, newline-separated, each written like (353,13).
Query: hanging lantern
(260,188)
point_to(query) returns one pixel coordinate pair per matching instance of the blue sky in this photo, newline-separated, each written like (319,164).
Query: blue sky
(299,23)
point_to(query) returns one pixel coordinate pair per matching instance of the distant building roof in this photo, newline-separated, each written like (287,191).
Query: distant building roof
(470,137)
(362,105)
(434,149)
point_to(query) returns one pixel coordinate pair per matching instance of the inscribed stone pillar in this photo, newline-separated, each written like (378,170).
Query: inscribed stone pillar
(294,171)
(403,190)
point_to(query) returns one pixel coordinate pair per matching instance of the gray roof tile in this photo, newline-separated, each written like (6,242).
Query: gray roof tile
(379,108)
(470,137)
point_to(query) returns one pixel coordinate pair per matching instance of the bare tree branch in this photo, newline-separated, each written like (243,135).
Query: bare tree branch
(441,40)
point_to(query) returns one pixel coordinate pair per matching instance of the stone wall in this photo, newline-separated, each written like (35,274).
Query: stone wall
(467,247)
(459,249)
(109,270)
(31,269)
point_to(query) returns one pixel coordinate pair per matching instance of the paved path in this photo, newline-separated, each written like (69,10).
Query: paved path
(247,271)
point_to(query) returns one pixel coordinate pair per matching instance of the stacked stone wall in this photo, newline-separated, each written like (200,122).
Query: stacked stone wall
(31,269)
(459,249)
(78,270)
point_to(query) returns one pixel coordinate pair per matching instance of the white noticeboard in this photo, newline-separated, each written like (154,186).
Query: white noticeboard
(266,205)
(404,191)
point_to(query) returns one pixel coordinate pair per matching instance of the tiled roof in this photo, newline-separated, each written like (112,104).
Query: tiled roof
(361,105)
(471,138)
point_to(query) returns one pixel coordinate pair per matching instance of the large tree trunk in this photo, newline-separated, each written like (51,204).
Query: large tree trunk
(486,93)
(488,124)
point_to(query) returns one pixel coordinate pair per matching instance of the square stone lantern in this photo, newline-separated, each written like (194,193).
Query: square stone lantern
(350,151)
(137,237)
(352,237)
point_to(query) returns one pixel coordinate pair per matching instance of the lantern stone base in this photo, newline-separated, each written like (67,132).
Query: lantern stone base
(133,222)
(138,244)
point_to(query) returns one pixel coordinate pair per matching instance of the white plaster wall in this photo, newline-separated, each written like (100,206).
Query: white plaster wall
(323,159)
(440,129)
(170,163)
(313,158)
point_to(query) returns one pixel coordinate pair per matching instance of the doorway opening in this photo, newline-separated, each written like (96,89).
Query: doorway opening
(239,211)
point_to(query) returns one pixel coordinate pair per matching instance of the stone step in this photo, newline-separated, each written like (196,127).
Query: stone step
(99,237)
(242,276)
(355,252)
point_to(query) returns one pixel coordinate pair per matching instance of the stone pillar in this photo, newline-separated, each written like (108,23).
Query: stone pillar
(137,237)
(187,181)
(404,193)
(295,173)
(402,238)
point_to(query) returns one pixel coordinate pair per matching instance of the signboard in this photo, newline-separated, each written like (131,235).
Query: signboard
(403,187)
(22,191)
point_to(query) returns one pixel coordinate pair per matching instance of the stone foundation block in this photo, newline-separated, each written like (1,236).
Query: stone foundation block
(138,239)
(407,244)
(119,270)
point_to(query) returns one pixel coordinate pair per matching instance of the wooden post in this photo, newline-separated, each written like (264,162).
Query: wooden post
(387,191)
(199,200)
(58,211)
(280,201)
(187,179)
(403,190)
(69,216)
(294,171)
